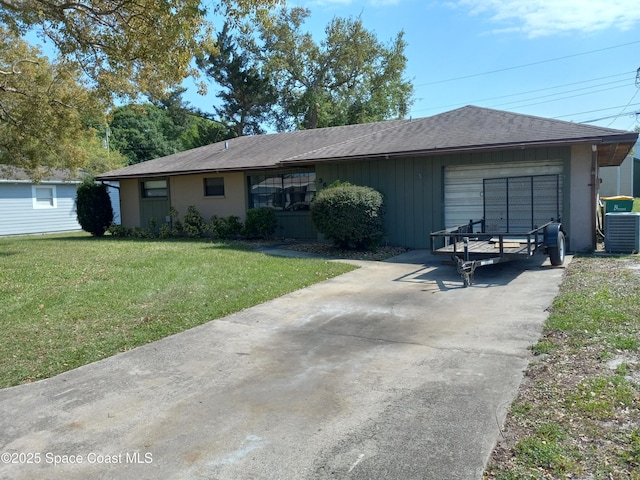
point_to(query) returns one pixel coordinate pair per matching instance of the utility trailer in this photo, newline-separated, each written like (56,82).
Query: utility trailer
(512,226)
(471,249)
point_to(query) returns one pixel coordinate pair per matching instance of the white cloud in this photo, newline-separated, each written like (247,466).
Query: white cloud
(536,18)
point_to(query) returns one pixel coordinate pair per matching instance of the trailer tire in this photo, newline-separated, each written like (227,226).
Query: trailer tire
(556,253)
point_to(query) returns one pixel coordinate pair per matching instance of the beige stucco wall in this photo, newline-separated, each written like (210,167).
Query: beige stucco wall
(581,218)
(188,190)
(130,203)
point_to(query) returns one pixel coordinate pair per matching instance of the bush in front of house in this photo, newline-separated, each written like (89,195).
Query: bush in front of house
(93,207)
(260,223)
(350,215)
(193,225)
(226,227)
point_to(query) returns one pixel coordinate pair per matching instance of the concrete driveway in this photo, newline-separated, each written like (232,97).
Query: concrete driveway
(393,371)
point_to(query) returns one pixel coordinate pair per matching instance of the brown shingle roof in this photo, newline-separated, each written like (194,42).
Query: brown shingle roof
(465,129)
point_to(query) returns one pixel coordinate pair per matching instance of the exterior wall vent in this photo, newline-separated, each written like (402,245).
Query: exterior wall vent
(622,232)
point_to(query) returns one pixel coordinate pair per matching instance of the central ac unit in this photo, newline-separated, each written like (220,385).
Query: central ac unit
(622,232)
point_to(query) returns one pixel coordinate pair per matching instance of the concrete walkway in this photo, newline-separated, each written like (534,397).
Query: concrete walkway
(392,371)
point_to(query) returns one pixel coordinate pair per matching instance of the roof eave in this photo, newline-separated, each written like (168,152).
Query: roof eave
(174,173)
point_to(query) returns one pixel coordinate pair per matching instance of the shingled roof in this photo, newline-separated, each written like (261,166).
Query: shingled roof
(11,174)
(462,130)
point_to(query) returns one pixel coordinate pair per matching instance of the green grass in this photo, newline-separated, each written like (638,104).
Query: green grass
(576,415)
(636,205)
(69,300)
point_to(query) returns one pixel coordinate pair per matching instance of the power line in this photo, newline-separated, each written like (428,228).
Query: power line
(594,111)
(556,99)
(631,100)
(538,90)
(474,102)
(618,115)
(464,77)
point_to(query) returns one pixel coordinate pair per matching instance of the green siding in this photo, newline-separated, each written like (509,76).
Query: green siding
(296,225)
(414,187)
(636,177)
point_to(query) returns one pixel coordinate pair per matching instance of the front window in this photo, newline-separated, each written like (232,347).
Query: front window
(214,187)
(154,189)
(282,191)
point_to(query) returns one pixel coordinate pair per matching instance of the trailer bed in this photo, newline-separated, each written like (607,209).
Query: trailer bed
(487,247)
(470,249)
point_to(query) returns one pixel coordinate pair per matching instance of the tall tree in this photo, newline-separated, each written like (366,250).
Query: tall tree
(44,109)
(247,94)
(349,77)
(126,46)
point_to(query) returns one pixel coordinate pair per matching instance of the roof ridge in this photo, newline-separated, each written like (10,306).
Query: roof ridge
(396,124)
(538,117)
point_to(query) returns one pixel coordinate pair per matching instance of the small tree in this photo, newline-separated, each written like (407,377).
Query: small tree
(350,215)
(93,206)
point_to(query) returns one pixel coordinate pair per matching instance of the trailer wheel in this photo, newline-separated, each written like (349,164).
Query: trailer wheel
(556,253)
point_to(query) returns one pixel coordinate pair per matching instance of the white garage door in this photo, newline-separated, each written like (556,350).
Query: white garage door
(464,186)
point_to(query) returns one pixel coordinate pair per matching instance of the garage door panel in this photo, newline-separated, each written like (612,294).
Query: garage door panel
(464,192)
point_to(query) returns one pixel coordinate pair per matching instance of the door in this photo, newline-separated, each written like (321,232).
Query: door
(154,203)
(464,186)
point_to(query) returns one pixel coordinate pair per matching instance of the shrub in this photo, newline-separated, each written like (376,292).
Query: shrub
(193,224)
(93,206)
(350,215)
(176,224)
(261,223)
(119,230)
(228,227)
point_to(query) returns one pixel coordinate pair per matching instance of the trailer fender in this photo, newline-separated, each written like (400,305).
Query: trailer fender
(551,234)
(555,243)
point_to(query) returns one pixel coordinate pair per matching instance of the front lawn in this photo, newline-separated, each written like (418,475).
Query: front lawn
(68,300)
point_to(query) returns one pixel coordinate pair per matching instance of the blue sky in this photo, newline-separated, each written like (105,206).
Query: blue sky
(574,60)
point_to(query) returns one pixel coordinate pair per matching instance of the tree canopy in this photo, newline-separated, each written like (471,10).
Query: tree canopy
(145,131)
(44,109)
(271,71)
(348,77)
(126,47)
(106,49)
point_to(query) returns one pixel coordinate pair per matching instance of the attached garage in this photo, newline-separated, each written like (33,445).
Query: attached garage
(516,196)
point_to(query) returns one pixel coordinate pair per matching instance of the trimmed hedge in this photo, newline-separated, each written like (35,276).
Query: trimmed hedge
(350,215)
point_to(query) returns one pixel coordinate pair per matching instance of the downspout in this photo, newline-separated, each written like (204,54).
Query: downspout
(594,193)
